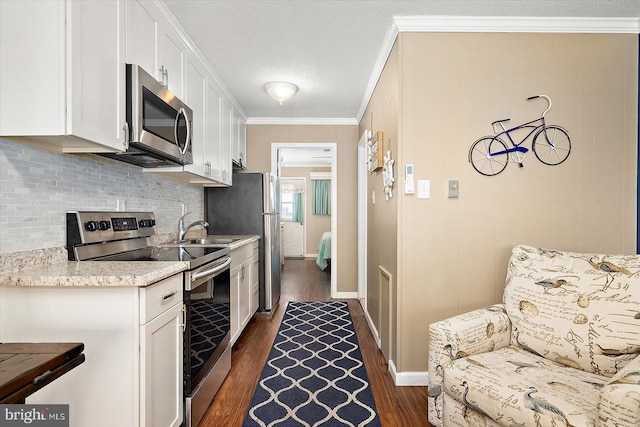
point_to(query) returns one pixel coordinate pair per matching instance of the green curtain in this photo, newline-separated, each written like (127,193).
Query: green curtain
(321,202)
(297,208)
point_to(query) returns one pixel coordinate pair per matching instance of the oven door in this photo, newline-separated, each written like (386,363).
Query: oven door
(207,358)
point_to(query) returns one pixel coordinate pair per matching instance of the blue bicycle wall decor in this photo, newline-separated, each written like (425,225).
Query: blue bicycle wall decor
(489,155)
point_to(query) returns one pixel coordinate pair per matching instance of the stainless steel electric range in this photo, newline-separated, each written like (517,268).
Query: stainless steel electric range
(125,236)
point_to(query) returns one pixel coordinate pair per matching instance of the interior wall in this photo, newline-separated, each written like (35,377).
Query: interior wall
(382,215)
(315,225)
(453,253)
(259,140)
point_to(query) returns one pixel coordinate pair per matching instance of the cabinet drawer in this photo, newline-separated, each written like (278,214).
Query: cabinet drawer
(159,297)
(243,253)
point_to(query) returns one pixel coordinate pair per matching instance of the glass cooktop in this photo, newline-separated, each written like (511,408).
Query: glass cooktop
(194,256)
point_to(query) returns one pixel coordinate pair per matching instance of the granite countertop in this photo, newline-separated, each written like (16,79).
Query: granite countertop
(94,273)
(49,267)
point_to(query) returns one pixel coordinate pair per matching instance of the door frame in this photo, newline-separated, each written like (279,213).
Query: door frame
(363,174)
(333,150)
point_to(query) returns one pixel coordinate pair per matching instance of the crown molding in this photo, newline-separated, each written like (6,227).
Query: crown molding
(303,121)
(383,55)
(516,24)
(493,24)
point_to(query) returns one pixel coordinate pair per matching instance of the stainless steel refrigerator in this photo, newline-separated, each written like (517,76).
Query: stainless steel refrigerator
(251,206)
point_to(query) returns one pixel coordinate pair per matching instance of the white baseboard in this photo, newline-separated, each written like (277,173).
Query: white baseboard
(346,295)
(417,378)
(374,331)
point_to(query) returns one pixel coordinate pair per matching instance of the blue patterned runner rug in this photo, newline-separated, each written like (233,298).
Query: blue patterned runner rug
(314,375)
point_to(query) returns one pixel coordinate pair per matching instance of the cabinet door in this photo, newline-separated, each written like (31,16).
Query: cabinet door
(172,57)
(254,287)
(213,144)
(225,151)
(161,369)
(234,309)
(195,98)
(235,147)
(242,143)
(97,73)
(142,36)
(244,290)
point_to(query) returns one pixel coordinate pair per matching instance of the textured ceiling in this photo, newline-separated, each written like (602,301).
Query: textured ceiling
(329,48)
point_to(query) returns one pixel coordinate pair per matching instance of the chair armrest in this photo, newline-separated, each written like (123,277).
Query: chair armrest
(620,399)
(478,331)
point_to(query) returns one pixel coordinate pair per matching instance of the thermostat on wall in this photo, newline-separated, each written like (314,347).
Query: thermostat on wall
(408,179)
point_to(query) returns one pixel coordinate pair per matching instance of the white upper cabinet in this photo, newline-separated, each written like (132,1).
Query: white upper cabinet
(153,45)
(62,73)
(195,98)
(238,140)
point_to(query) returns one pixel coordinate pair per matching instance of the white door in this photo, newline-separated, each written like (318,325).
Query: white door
(293,233)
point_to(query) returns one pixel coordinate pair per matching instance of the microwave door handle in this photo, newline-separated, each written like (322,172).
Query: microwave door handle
(175,130)
(186,144)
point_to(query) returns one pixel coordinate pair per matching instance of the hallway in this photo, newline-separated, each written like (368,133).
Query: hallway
(302,280)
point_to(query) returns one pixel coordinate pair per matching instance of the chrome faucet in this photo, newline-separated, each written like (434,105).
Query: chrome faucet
(182,230)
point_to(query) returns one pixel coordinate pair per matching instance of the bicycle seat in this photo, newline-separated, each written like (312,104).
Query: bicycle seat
(500,121)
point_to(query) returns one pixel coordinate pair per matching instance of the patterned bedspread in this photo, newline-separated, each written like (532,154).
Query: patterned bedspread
(324,250)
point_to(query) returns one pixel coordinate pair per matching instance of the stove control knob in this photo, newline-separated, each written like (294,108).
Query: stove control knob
(91,226)
(104,225)
(146,223)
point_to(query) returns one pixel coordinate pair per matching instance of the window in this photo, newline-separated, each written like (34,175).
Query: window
(286,206)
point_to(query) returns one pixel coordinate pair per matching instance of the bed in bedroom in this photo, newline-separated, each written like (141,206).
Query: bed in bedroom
(324,251)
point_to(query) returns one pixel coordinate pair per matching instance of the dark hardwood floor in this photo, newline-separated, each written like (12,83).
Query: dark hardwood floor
(302,280)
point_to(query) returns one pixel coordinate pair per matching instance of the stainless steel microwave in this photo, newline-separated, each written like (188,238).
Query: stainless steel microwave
(158,123)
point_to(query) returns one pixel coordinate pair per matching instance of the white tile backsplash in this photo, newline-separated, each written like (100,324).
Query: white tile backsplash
(38,187)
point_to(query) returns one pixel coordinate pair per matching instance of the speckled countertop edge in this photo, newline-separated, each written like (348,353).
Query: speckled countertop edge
(50,267)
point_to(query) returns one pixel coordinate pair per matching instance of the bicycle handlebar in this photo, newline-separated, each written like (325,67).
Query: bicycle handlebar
(545,97)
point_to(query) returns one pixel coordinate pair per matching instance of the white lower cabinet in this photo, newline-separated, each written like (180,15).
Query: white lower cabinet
(133,338)
(161,371)
(245,284)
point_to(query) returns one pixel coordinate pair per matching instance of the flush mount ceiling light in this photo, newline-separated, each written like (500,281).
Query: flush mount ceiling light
(280,91)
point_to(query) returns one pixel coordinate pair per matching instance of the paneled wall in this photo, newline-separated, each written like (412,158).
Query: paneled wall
(38,187)
(452,254)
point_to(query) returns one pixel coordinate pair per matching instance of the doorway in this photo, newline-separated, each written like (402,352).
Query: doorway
(308,156)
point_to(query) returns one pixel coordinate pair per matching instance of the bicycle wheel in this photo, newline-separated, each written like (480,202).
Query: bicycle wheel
(483,161)
(554,148)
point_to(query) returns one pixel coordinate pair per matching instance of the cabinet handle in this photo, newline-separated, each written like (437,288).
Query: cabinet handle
(184,318)
(165,78)
(162,75)
(127,137)
(169,295)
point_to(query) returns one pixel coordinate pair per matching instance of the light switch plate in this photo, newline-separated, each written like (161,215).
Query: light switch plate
(424,189)
(453,189)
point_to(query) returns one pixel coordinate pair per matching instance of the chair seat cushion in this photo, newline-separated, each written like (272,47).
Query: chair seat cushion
(515,387)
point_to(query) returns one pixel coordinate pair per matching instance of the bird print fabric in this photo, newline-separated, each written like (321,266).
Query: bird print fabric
(563,349)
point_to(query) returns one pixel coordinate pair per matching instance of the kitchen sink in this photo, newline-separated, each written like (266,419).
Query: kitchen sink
(208,241)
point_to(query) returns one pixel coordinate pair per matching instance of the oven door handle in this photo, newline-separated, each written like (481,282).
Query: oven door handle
(212,271)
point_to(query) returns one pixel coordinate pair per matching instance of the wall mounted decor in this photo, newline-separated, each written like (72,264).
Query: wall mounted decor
(374,151)
(387,175)
(489,155)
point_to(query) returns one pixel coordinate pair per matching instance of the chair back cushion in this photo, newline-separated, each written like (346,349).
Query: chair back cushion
(581,310)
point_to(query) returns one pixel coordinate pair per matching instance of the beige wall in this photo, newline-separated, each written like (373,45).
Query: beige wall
(382,115)
(452,253)
(315,225)
(259,140)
